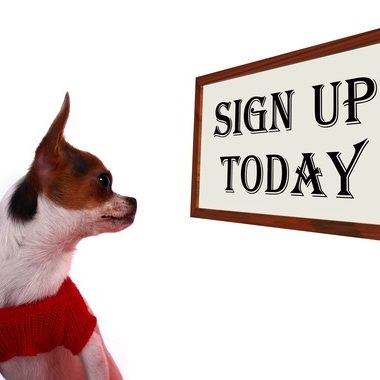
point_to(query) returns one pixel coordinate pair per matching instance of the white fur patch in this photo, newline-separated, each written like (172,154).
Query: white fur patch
(35,256)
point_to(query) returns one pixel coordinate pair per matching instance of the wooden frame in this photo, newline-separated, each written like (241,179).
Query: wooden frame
(362,229)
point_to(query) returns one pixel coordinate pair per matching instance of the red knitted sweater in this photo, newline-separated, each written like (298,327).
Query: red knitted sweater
(59,320)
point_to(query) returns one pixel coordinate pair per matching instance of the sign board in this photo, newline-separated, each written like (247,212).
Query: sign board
(293,141)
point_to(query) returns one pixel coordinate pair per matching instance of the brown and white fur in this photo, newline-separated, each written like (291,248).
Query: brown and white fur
(65,196)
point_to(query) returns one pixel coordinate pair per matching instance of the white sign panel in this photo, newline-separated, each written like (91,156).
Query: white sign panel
(293,141)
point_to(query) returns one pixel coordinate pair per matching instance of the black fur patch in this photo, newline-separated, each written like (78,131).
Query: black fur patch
(23,203)
(80,165)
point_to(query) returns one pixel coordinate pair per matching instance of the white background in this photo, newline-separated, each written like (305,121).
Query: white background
(180,298)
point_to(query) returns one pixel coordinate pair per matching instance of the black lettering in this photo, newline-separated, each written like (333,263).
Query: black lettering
(353,98)
(223,119)
(272,158)
(249,112)
(244,174)
(318,105)
(230,160)
(278,107)
(237,130)
(312,178)
(346,172)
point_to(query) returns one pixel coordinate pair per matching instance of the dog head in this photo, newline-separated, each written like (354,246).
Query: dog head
(67,192)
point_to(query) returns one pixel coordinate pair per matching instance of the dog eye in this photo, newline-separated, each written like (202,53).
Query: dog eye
(105,180)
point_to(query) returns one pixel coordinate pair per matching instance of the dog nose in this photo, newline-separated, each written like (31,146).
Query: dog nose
(132,202)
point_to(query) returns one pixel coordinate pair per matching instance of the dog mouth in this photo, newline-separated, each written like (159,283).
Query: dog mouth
(127,218)
(118,217)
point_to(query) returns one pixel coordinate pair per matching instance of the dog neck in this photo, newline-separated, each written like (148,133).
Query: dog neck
(36,256)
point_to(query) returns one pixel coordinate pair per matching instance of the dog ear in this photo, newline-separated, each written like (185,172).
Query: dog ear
(50,144)
(48,151)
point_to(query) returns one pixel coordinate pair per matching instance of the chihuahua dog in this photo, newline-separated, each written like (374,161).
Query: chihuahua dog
(47,331)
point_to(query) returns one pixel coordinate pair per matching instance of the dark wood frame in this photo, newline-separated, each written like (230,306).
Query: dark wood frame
(369,231)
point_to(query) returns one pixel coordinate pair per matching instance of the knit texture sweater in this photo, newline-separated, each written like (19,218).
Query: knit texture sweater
(41,326)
